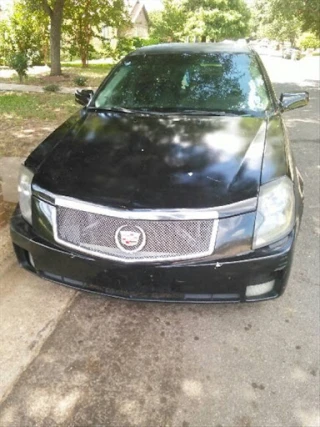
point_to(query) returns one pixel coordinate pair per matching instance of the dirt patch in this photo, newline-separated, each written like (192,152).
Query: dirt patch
(27,119)
(66,80)
(8,211)
(20,137)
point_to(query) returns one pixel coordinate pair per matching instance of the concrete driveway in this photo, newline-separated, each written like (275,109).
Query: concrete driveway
(74,359)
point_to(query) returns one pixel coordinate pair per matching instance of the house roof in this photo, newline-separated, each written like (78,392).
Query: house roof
(135,8)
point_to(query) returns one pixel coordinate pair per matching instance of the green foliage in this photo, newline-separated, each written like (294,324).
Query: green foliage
(84,19)
(52,11)
(5,47)
(168,25)
(306,11)
(285,19)
(309,41)
(51,88)
(80,80)
(204,19)
(268,22)
(125,46)
(27,31)
(19,62)
(217,19)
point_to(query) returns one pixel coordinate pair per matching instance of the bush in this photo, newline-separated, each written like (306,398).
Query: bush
(51,88)
(19,62)
(126,45)
(93,53)
(80,80)
(309,41)
(139,42)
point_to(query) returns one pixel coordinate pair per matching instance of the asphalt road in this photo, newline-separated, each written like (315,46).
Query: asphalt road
(74,359)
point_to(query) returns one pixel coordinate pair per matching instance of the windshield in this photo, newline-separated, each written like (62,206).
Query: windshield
(186,82)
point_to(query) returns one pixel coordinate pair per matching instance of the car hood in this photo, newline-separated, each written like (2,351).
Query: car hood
(157,161)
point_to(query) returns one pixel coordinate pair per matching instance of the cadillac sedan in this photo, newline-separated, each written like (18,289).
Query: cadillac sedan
(174,182)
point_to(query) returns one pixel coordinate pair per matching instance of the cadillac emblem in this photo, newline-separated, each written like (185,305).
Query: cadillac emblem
(130,239)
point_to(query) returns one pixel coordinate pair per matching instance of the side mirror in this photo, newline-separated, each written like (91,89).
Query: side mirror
(292,100)
(83,96)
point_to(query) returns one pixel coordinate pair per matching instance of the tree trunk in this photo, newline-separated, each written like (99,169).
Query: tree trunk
(56,15)
(55,42)
(2,211)
(84,59)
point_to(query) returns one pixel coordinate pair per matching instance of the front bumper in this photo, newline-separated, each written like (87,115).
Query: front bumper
(197,281)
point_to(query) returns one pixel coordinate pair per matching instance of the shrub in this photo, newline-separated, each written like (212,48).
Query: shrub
(93,53)
(126,45)
(139,42)
(80,80)
(309,41)
(51,88)
(19,62)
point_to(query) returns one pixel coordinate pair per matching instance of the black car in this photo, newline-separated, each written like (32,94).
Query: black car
(175,182)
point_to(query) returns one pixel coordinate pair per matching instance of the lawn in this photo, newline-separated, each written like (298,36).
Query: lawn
(94,73)
(26,119)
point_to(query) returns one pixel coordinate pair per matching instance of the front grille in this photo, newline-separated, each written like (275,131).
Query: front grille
(134,240)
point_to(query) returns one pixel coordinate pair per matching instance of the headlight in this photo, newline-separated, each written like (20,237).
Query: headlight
(276,212)
(24,189)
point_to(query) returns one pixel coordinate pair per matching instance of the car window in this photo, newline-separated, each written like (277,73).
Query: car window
(210,82)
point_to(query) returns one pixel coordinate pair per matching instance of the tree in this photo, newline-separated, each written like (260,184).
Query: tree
(19,62)
(306,11)
(213,19)
(4,44)
(54,9)
(285,19)
(2,209)
(309,41)
(25,35)
(168,25)
(84,20)
(266,22)
(217,19)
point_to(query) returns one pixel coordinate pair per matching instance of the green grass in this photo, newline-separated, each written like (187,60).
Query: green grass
(28,118)
(44,106)
(94,73)
(98,68)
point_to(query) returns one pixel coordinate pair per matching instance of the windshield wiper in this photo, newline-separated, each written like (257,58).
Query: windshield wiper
(201,112)
(113,109)
(178,111)
(235,113)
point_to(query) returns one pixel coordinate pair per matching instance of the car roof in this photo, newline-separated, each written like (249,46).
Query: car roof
(172,48)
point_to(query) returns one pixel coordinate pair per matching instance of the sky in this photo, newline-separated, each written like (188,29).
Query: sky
(5,2)
(152,4)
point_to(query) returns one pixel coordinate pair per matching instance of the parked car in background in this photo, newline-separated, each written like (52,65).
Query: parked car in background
(262,47)
(174,182)
(291,53)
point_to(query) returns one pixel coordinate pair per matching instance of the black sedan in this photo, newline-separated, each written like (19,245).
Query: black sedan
(174,182)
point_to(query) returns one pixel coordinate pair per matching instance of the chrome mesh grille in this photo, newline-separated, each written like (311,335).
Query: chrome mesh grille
(159,240)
